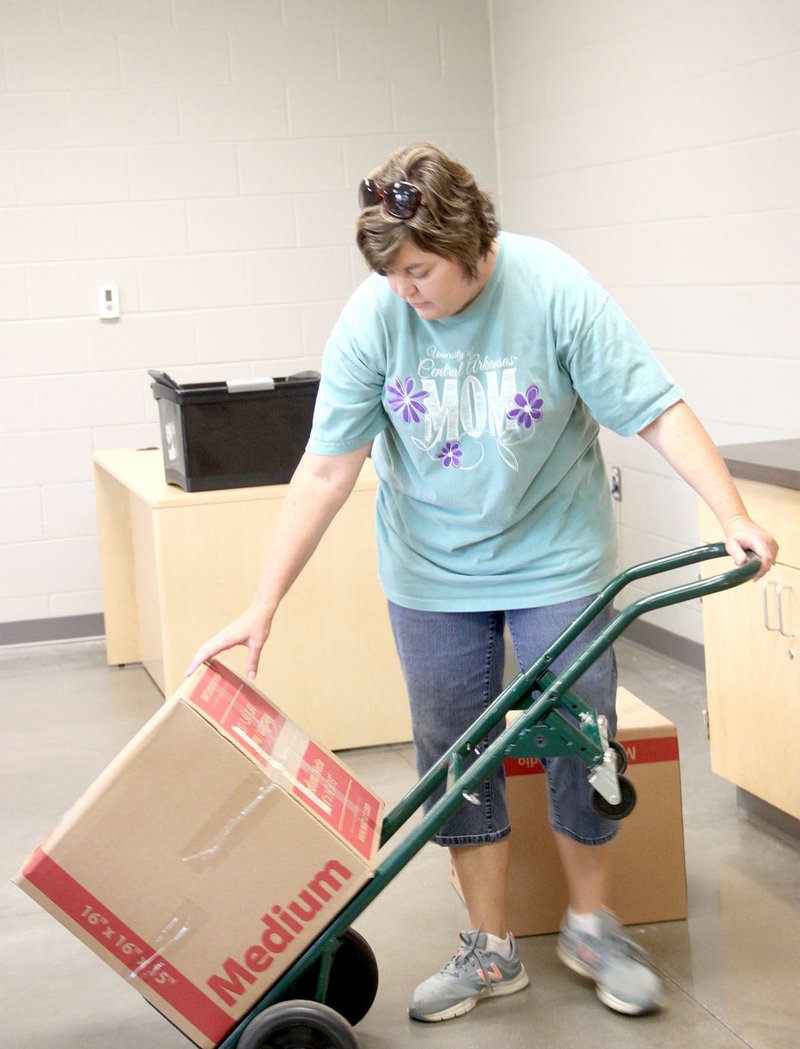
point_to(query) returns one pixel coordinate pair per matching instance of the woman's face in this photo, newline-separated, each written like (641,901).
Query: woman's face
(434,286)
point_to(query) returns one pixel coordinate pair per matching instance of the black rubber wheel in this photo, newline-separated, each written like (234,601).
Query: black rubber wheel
(622,755)
(353,980)
(298,1025)
(625,806)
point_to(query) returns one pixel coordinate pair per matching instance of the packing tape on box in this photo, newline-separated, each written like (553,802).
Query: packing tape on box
(278,764)
(187,919)
(288,754)
(250,800)
(279,745)
(232,818)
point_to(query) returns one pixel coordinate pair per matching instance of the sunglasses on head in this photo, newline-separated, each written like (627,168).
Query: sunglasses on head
(400,199)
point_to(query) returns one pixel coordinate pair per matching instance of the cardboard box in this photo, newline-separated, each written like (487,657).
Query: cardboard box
(209,854)
(649,874)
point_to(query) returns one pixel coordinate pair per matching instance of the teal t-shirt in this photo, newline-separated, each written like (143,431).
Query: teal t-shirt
(492,490)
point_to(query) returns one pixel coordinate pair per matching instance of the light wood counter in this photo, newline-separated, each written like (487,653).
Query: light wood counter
(177,566)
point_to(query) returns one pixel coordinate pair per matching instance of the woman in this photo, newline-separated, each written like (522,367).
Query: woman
(476,367)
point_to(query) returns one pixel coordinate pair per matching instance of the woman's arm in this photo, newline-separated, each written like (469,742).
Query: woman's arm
(679,436)
(318,489)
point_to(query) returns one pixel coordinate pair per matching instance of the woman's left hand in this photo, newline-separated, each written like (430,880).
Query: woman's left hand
(742,534)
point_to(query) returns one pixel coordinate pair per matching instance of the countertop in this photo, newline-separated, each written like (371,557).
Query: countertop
(142,471)
(771,462)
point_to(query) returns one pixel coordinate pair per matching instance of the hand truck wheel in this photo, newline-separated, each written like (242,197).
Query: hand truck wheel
(622,755)
(298,1025)
(352,982)
(624,807)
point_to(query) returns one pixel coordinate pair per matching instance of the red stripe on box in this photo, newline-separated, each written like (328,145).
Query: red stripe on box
(239,709)
(650,750)
(322,784)
(122,943)
(360,822)
(340,801)
(523,767)
(645,751)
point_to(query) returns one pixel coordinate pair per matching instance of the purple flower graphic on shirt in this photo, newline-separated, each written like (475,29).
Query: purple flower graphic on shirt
(529,405)
(451,454)
(402,395)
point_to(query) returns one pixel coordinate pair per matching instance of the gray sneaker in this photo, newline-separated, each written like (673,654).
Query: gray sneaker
(471,974)
(618,966)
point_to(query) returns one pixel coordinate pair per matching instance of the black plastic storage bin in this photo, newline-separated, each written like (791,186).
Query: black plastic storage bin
(233,435)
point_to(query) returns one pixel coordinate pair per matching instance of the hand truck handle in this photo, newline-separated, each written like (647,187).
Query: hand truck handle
(660,599)
(685,591)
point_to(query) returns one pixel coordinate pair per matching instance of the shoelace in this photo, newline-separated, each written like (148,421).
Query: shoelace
(464,954)
(617,942)
(631,947)
(471,953)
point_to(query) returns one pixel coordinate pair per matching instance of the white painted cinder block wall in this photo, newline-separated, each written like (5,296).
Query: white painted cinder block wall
(659,143)
(203,155)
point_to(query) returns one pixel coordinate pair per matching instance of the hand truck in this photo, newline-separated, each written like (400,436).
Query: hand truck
(326,991)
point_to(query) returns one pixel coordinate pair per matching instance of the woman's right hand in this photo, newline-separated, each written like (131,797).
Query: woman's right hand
(250,629)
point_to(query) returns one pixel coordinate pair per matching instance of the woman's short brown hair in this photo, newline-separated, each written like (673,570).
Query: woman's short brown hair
(456,219)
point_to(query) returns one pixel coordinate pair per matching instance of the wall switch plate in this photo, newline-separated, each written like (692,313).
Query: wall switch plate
(107,301)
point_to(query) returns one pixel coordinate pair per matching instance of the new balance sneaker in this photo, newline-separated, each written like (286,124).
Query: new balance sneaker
(624,982)
(471,974)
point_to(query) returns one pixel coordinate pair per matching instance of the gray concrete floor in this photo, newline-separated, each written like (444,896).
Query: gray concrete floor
(731,972)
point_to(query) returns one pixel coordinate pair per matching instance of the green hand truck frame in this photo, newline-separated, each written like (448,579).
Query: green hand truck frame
(326,991)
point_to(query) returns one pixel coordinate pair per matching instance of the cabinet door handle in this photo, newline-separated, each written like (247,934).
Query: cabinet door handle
(781,624)
(765,606)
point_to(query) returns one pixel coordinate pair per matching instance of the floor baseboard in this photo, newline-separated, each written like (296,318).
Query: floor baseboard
(57,628)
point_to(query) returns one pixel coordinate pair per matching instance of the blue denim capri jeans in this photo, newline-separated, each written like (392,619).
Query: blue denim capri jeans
(453,667)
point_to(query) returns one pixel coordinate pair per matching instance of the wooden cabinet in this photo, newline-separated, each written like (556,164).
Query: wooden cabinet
(177,566)
(753,659)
